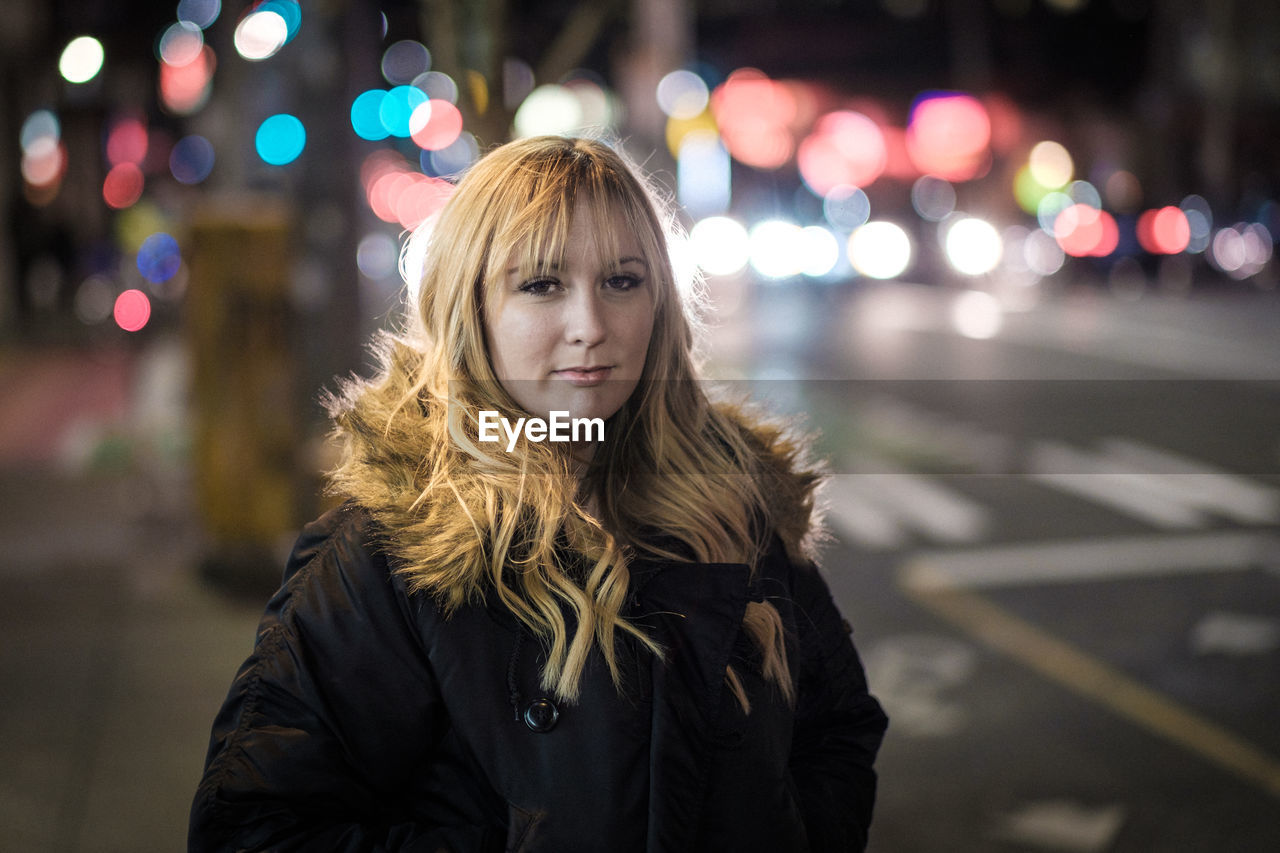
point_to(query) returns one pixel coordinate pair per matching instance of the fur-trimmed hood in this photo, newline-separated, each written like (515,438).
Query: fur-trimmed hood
(394,461)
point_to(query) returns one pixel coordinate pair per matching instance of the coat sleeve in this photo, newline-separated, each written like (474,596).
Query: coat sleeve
(838,725)
(329,717)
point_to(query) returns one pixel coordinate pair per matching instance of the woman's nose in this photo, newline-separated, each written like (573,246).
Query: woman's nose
(585,323)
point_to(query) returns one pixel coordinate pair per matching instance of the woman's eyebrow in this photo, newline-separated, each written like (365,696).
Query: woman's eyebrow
(631,259)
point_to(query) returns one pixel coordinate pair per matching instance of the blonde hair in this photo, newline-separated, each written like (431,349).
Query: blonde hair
(469,522)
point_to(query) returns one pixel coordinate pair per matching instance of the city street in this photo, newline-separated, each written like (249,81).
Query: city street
(1057,546)
(1058,549)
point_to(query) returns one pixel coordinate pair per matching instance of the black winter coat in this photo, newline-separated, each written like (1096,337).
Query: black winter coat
(365,720)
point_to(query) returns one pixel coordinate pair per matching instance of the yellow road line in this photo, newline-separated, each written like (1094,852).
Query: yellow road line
(1089,677)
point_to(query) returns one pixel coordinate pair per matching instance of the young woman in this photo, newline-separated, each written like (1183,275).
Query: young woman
(602,633)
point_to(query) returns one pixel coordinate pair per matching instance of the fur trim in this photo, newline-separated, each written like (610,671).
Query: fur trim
(391,458)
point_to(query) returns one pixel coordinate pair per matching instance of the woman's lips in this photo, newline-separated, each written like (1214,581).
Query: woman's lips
(584,376)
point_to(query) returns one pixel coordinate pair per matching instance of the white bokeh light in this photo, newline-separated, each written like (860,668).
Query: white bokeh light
(775,248)
(720,245)
(880,249)
(549,109)
(260,35)
(973,246)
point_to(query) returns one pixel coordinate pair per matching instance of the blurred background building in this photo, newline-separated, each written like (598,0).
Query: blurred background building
(205,205)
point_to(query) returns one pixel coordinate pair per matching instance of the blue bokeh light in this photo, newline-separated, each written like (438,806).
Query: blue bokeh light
(289,10)
(398,106)
(202,13)
(280,139)
(159,258)
(366,115)
(191,159)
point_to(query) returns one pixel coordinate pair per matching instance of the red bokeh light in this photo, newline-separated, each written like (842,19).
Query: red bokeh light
(1084,231)
(754,115)
(844,148)
(1165,231)
(123,186)
(185,88)
(948,136)
(127,142)
(132,310)
(442,128)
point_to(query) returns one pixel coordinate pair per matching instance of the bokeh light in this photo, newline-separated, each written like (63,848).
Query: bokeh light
(1123,191)
(41,124)
(1042,254)
(191,159)
(1165,231)
(775,245)
(377,256)
(1050,164)
(123,186)
(81,59)
(818,250)
(398,193)
(95,299)
(185,89)
(159,258)
(720,245)
(973,246)
(438,86)
(395,110)
(846,207)
(132,310)
(845,147)
(549,109)
(880,249)
(754,114)
(1242,250)
(435,125)
(261,34)
(703,175)
(949,135)
(366,115)
(127,142)
(289,11)
(453,159)
(404,61)
(1083,230)
(202,13)
(180,44)
(280,139)
(682,94)
(933,198)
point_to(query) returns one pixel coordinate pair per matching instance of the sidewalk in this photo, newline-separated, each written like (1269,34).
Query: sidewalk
(113,656)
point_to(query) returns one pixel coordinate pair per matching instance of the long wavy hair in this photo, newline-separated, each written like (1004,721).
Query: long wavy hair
(676,476)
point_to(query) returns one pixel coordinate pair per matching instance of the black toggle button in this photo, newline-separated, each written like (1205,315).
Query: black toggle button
(541,715)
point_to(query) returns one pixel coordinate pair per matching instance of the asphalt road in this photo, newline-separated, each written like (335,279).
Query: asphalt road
(1058,547)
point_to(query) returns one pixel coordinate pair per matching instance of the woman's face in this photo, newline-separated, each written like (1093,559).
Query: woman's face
(573,335)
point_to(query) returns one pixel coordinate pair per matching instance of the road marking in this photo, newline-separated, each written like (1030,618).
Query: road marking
(1062,825)
(1198,483)
(880,508)
(1222,632)
(1068,666)
(1091,559)
(1091,476)
(912,674)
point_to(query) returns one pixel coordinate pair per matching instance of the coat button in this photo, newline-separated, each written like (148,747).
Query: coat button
(541,715)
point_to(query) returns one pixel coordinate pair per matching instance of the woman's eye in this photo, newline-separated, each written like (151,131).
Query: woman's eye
(538,286)
(622,282)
